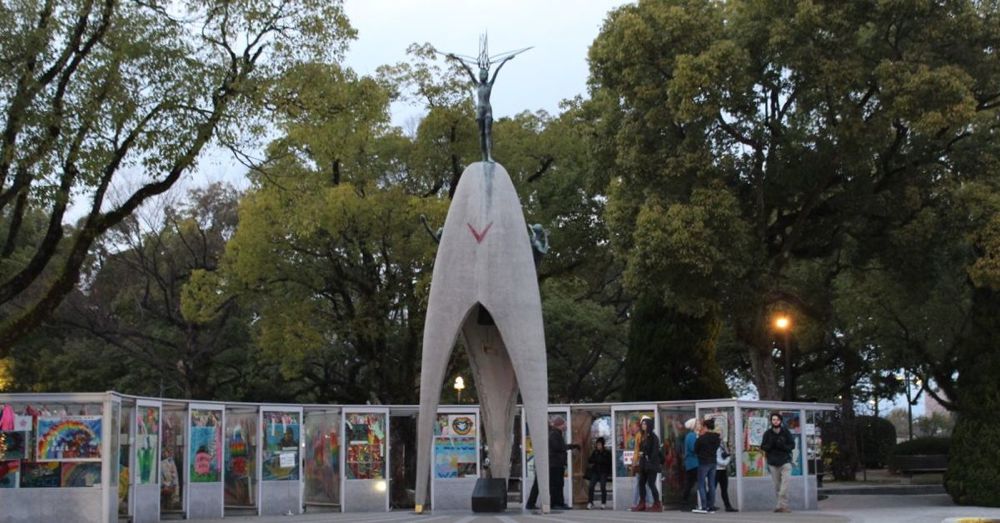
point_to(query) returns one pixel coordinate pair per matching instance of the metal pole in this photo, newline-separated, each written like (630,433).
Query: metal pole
(909,403)
(789,393)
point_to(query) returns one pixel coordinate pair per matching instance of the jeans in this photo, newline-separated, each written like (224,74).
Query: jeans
(780,477)
(635,490)
(706,485)
(596,478)
(648,478)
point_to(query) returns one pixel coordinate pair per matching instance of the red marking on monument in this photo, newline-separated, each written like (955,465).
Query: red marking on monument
(479,235)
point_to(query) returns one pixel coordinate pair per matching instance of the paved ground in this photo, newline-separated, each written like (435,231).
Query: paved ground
(835,509)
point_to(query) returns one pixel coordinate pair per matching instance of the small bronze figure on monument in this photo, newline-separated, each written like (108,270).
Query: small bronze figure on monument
(484,87)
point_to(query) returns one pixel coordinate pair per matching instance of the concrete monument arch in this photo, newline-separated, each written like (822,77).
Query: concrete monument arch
(484,288)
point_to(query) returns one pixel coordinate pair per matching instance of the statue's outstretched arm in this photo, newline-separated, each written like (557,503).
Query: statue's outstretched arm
(465,66)
(435,235)
(497,70)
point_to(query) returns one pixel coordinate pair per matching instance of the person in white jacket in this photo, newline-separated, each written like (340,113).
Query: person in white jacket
(722,458)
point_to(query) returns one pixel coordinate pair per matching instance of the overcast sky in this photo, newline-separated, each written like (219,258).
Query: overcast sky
(561,32)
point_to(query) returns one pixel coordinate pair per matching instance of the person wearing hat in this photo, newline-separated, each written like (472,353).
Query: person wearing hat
(650,464)
(600,471)
(690,461)
(557,466)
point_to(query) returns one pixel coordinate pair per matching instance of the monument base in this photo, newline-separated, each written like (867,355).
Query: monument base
(490,495)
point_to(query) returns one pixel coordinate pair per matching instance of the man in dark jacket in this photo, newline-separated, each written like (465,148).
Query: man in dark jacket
(557,466)
(705,448)
(778,444)
(600,471)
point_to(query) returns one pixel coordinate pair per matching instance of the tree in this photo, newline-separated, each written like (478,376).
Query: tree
(744,139)
(134,313)
(671,355)
(83,117)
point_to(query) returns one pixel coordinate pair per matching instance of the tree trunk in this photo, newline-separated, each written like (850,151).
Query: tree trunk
(755,337)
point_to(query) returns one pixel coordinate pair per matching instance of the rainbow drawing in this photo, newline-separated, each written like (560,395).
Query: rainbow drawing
(69,438)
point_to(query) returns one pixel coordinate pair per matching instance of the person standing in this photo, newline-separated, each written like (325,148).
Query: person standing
(649,467)
(600,471)
(690,462)
(722,459)
(706,447)
(635,468)
(778,444)
(557,466)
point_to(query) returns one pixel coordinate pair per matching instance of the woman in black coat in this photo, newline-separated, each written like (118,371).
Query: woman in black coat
(650,464)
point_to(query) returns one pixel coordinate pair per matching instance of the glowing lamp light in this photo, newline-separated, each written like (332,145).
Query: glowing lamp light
(380,486)
(782,323)
(459,383)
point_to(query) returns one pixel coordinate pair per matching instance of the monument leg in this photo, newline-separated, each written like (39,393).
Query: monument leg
(439,340)
(497,387)
(522,332)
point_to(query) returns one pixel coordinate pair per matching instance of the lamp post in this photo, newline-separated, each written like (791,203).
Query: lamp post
(459,385)
(783,324)
(905,378)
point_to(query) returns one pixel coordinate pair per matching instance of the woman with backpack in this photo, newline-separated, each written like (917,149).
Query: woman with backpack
(722,459)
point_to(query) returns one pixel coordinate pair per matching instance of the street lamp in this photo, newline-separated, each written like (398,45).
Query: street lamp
(459,385)
(905,378)
(783,324)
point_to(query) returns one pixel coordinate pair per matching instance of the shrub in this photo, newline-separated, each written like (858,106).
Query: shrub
(974,462)
(922,446)
(876,439)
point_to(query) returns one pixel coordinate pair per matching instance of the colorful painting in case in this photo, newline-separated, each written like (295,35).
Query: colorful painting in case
(80,474)
(281,450)
(455,453)
(366,444)
(40,475)
(9,473)
(69,438)
(147,441)
(793,423)
(205,446)
(13,445)
(322,459)
(753,464)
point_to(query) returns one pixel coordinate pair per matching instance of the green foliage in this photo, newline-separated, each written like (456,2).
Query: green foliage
(922,446)
(671,355)
(973,470)
(755,152)
(876,439)
(585,341)
(94,91)
(974,463)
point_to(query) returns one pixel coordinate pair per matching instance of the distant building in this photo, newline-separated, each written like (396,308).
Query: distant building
(932,406)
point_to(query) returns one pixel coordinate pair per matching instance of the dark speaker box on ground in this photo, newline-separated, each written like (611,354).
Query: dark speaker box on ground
(490,495)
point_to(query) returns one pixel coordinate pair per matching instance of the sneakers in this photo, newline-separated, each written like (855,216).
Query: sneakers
(699,510)
(657,507)
(604,506)
(590,506)
(782,510)
(731,509)
(712,510)
(641,507)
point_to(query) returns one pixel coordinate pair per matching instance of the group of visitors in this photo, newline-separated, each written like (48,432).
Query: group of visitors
(706,463)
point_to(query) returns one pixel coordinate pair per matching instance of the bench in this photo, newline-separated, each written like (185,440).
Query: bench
(919,463)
